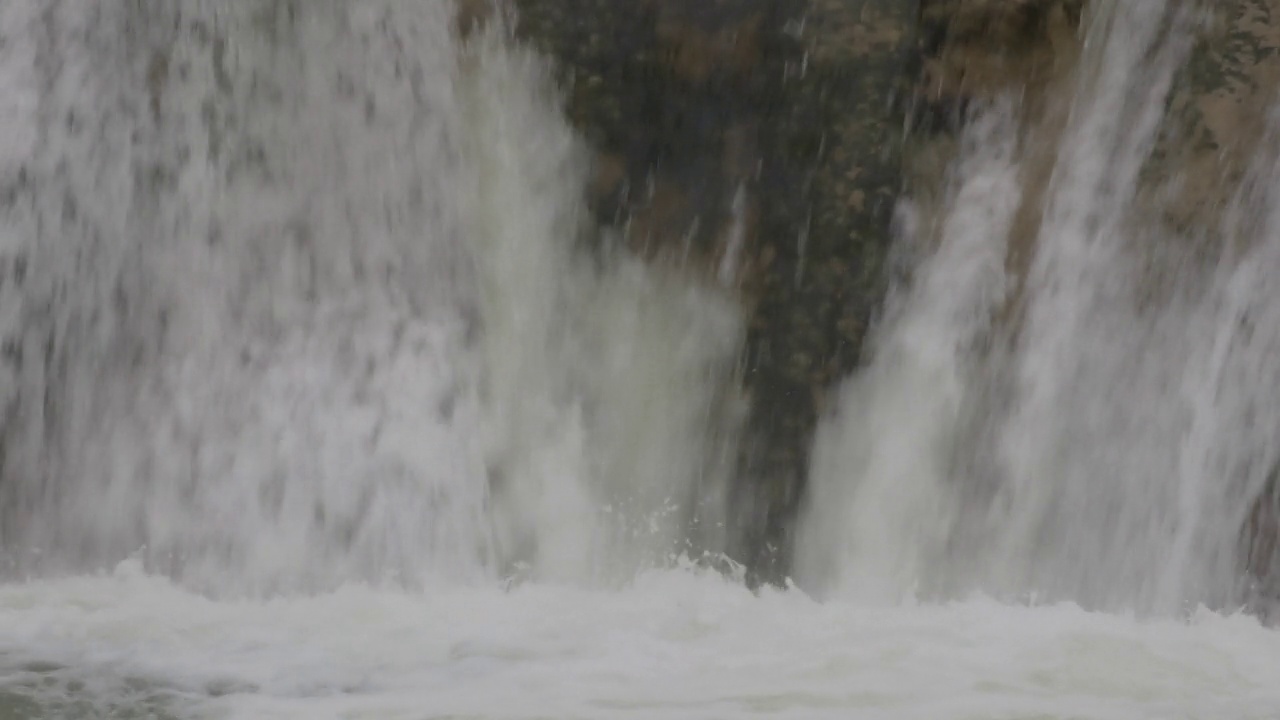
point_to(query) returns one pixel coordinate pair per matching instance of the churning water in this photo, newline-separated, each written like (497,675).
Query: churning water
(317,404)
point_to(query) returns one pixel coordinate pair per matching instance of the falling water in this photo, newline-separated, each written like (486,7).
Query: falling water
(322,396)
(1094,446)
(299,297)
(901,417)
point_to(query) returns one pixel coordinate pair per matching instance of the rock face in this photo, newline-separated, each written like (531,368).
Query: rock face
(1220,108)
(757,142)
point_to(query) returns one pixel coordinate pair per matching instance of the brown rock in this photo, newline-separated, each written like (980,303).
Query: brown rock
(657,226)
(608,176)
(473,14)
(759,145)
(699,40)
(741,151)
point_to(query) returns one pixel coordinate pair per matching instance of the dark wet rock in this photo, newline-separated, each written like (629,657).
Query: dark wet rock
(786,120)
(838,147)
(672,97)
(975,48)
(776,124)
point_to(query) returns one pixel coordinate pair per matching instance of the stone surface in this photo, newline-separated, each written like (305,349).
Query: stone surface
(972,53)
(773,124)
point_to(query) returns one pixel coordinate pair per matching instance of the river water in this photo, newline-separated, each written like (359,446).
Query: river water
(318,403)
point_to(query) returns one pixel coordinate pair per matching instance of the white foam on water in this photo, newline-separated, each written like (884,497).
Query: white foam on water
(673,644)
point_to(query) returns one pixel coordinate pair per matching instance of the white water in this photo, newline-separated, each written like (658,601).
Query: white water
(319,408)
(1103,444)
(320,312)
(675,644)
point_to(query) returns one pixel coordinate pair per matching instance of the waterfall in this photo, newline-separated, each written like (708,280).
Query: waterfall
(323,394)
(303,293)
(1103,441)
(899,421)
(299,294)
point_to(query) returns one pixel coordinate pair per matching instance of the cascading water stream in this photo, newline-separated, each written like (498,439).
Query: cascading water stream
(1094,446)
(879,503)
(301,300)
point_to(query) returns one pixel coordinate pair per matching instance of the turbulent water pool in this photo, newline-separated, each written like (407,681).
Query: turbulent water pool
(678,643)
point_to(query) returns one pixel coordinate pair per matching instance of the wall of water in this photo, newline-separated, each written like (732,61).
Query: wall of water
(295,294)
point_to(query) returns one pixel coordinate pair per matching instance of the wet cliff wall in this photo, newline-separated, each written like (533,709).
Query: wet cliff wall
(765,143)
(758,142)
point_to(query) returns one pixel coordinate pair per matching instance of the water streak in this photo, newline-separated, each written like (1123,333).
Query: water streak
(1103,444)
